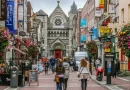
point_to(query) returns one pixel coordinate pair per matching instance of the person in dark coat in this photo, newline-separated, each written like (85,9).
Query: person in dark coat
(52,63)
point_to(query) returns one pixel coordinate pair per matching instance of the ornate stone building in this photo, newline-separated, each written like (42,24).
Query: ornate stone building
(58,31)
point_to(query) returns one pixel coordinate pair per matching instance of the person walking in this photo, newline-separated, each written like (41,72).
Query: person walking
(46,65)
(83,73)
(97,63)
(66,75)
(71,63)
(60,71)
(52,63)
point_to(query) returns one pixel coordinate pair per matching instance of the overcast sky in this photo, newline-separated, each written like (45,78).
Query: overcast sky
(49,5)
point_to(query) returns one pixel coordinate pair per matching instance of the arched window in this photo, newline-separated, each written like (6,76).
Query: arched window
(67,34)
(55,34)
(63,34)
(48,34)
(60,34)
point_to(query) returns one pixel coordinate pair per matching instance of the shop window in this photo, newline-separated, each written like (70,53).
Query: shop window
(129,12)
(115,30)
(122,15)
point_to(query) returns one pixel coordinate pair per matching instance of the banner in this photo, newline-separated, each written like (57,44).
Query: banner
(101,4)
(83,23)
(9,23)
(95,34)
(20,13)
(2,9)
(83,38)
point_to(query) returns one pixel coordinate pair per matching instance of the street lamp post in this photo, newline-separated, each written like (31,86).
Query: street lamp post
(90,58)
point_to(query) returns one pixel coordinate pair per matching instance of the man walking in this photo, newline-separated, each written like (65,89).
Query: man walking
(52,63)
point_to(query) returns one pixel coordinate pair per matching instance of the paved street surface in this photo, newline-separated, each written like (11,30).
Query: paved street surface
(46,82)
(3,87)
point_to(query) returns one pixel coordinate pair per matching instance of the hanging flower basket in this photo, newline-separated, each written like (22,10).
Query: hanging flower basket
(4,40)
(33,51)
(92,48)
(124,39)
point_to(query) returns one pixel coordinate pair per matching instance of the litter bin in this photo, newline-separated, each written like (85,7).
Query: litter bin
(14,77)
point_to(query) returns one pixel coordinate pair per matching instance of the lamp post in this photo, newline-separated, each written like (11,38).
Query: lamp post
(12,39)
(90,58)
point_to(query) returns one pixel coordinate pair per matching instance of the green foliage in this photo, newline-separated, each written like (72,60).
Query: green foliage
(33,51)
(92,49)
(4,38)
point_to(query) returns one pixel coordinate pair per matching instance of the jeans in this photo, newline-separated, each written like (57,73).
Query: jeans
(65,83)
(59,85)
(53,68)
(46,70)
(84,84)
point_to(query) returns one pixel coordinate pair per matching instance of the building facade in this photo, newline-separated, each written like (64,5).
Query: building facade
(57,31)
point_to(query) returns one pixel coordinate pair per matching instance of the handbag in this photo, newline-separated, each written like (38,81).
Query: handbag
(80,73)
(57,79)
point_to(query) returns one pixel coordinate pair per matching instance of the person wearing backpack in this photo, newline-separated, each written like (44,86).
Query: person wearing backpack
(66,75)
(52,64)
(71,63)
(60,71)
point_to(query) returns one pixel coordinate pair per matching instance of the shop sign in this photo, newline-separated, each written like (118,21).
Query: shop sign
(101,3)
(106,50)
(98,12)
(95,33)
(10,18)
(83,38)
(104,29)
(111,9)
(2,9)
(83,23)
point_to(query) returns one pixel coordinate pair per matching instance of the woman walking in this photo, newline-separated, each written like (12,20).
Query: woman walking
(66,75)
(60,71)
(84,73)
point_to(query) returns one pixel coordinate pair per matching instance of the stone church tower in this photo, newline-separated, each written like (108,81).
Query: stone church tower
(59,32)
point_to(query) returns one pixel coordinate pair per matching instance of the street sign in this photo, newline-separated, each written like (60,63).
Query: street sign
(2,9)
(33,77)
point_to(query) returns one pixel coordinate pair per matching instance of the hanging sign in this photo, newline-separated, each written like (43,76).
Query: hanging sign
(10,18)
(101,3)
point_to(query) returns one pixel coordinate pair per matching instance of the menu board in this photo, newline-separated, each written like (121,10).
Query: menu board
(33,77)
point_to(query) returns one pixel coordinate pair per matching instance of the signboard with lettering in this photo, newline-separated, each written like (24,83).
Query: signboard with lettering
(33,77)
(2,9)
(10,18)
(20,12)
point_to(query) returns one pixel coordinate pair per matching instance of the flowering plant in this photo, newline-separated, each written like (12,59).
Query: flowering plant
(124,39)
(92,48)
(4,38)
(33,50)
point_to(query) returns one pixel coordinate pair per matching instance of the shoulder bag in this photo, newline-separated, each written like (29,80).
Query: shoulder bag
(80,73)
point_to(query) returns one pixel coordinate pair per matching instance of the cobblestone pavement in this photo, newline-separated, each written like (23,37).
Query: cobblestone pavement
(46,82)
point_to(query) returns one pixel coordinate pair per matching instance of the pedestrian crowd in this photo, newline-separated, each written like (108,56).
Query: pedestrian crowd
(62,68)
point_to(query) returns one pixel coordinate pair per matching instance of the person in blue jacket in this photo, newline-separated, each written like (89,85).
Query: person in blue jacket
(52,63)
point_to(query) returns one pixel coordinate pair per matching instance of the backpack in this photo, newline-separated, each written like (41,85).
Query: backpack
(71,62)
